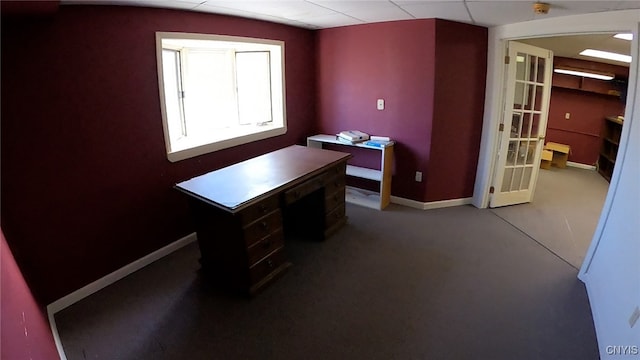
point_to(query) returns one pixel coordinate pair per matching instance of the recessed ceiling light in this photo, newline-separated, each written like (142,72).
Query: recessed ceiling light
(606,55)
(584,74)
(624,36)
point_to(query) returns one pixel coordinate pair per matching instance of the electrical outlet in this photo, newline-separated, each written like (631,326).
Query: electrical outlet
(567,116)
(418,176)
(380,104)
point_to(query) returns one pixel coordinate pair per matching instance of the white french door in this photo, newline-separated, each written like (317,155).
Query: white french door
(523,126)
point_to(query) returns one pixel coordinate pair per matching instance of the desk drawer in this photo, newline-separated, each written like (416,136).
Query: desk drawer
(337,170)
(262,227)
(334,184)
(332,200)
(265,246)
(334,216)
(306,188)
(259,210)
(267,265)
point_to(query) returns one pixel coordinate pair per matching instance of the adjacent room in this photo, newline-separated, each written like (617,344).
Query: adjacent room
(174,183)
(586,116)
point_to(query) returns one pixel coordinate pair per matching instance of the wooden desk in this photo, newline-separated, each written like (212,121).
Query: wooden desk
(242,212)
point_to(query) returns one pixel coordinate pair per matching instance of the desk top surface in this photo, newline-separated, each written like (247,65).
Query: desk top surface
(238,185)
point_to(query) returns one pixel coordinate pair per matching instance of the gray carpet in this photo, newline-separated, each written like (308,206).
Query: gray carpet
(454,283)
(564,213)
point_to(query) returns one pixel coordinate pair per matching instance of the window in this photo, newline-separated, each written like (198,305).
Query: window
(219,91)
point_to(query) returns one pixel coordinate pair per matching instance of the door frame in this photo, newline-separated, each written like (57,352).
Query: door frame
(604,22)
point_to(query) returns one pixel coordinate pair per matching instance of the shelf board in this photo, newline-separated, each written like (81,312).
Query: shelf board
(364,173)
(332,139)
(606,156)
(590,91)
(374,200)
(615,120)
(362,197)
(611,141)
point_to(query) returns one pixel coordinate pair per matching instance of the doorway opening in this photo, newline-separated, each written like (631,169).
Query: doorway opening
(587,115)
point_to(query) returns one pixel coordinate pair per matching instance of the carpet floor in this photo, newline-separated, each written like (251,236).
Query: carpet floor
(564,212)
(453,283)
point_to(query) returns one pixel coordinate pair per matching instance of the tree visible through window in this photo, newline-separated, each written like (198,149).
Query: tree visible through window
(219,91)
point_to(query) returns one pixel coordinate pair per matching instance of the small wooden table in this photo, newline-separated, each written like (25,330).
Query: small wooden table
(243,212)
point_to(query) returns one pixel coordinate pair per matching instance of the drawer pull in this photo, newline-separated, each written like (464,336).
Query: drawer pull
(264,209)
(266,244)
(270,263)
(265,225)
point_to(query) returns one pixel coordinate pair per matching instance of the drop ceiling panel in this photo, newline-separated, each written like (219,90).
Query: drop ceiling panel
(295,10)
(368,11)
(335,20)
(449,10)
(502,12)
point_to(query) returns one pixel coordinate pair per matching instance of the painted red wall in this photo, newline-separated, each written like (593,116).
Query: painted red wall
(29,8)
(86,185)
(393,61)
(25,332)
(587,111)
(460,75)
(426,71)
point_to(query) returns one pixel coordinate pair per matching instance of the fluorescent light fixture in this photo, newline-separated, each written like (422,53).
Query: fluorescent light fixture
(584,74)
(624,36)
(606,55)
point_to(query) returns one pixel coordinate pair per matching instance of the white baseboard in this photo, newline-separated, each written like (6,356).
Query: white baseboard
(107,280)
(430,205)
(580,166)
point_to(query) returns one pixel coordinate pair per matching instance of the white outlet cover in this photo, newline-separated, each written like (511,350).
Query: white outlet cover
(380,104)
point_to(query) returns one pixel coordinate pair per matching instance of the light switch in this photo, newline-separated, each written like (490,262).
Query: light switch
(380,104)
(567,116)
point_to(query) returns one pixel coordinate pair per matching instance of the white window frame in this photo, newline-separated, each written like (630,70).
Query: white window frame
(234,136)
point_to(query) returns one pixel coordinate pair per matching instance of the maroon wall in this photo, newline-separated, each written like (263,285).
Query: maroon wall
(86,185)
(587,109)
(29,8)
(431,74)
(393,61)
(460,75)
(582,130)
(25,331)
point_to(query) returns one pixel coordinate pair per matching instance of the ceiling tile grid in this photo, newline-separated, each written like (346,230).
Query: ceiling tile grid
(318,14)
(322,14)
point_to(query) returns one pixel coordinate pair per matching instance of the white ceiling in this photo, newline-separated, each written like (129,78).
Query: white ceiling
(571,46)
(322,14)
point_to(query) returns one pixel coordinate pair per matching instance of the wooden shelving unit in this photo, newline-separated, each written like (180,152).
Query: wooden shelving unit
(609,149)
(588,85)
(361,197)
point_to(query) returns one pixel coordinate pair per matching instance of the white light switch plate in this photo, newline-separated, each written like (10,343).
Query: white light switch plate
(380,104)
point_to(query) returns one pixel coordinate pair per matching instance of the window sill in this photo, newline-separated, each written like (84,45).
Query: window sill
(224,144)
